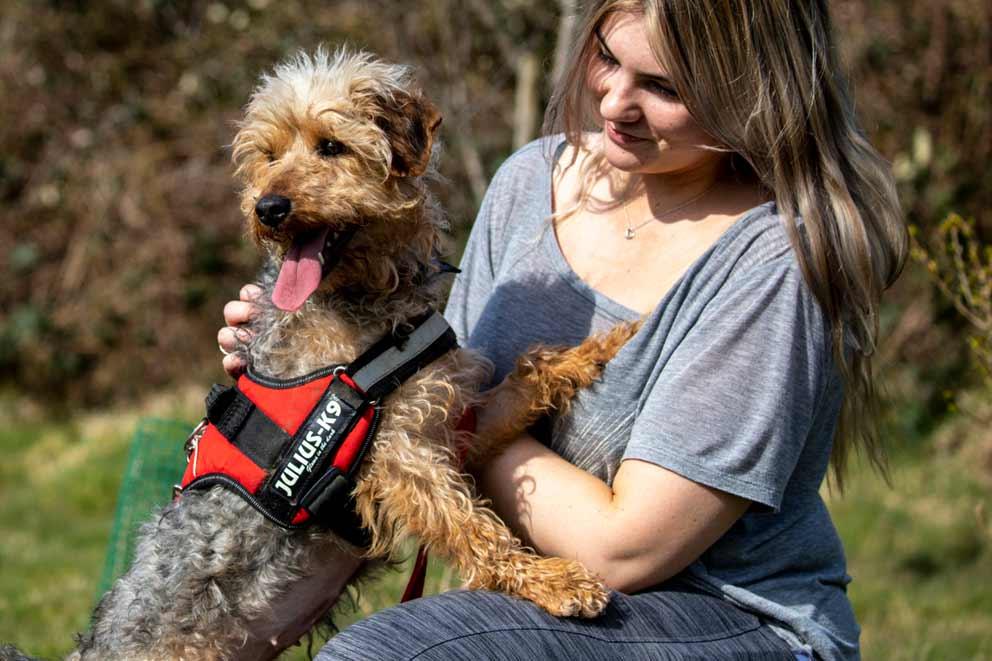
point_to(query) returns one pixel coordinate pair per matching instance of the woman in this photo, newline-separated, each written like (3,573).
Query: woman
(727,196)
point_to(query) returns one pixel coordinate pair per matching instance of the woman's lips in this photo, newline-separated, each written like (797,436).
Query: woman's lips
(619,137)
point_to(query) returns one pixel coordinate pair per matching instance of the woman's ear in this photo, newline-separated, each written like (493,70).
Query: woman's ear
(410,122)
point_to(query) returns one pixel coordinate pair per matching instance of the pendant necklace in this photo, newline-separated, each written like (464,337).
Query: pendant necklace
(631,230)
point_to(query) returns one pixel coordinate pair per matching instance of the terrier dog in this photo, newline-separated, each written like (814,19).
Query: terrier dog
(333,146)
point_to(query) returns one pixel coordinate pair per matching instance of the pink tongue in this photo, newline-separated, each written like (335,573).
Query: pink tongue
(300,273)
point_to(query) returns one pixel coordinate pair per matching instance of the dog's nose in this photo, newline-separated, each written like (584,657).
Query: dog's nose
(273,209)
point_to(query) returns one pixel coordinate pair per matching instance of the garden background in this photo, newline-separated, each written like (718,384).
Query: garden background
(120,240)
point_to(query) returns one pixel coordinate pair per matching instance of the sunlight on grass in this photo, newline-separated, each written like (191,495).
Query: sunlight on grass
(919,552)
(921,560)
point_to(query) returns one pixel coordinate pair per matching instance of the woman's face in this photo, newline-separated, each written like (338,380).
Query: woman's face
(646,128)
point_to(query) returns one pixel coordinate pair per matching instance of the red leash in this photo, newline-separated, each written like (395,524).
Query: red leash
(415,585)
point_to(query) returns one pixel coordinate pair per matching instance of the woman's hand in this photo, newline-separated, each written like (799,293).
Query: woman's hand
(232,337)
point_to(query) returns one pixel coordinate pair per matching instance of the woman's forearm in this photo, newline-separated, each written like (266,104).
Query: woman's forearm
(648,527)
(535,491)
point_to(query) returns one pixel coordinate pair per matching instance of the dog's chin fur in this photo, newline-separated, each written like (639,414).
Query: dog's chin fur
(334,323)
(209,569)
(383,278)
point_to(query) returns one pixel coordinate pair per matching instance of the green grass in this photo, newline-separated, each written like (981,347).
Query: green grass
(920,552)
(921,557)
(58,493)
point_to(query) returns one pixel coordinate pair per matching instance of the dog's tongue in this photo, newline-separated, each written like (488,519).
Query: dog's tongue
(300,273)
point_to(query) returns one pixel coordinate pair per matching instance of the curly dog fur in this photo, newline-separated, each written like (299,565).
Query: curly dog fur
(349,140)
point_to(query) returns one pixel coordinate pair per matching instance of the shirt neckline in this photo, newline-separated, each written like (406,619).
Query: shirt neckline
(603,302)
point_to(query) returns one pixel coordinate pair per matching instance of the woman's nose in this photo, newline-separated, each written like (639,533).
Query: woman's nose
(619,103)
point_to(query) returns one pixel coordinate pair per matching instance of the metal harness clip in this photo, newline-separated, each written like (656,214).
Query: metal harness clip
(194,437)
(190,447)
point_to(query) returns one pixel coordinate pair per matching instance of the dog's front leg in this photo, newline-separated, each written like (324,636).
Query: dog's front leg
(417,491)
(544,380)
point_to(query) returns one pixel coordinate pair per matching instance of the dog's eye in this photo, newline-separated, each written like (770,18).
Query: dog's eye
(329,148)
(270,156)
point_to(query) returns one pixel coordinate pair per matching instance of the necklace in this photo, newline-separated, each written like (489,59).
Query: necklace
(629,234)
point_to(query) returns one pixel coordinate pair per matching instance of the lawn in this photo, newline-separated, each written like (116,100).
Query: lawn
(919,551)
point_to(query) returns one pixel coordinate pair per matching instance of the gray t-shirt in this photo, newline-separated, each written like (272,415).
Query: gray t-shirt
(730,383)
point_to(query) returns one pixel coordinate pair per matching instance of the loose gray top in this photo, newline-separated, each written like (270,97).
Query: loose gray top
(730,383)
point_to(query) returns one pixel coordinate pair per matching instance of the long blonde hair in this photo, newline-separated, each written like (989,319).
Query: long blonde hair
(762,78)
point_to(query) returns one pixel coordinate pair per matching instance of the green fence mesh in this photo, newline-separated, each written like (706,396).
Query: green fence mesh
(155,463)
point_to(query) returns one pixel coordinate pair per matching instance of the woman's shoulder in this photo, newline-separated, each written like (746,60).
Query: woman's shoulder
(533,162)
(761,239)
(518,199)
(539,159)
(755,263)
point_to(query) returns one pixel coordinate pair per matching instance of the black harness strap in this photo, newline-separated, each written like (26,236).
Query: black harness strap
(392,360)
(244,424)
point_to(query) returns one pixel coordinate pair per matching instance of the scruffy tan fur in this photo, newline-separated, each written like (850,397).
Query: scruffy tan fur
(210,568)
(411,483)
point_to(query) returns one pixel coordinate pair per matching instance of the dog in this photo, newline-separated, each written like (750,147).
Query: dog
(336,154)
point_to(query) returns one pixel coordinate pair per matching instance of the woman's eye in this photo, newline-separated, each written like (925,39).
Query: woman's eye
(329,148)
(655,87)
(606,57)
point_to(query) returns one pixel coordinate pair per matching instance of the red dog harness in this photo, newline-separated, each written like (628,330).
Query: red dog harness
(292,448)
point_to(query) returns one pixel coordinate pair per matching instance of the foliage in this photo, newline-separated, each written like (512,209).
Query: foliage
(120,239)
(923,76)
(961,268)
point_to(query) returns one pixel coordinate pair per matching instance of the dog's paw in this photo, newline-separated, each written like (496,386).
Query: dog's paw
(564,588)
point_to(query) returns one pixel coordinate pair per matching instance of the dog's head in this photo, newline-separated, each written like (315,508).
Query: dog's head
(333,148)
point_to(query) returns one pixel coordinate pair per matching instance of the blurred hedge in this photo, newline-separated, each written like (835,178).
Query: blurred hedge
(120,237)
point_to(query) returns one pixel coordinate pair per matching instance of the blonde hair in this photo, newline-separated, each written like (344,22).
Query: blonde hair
(762,78)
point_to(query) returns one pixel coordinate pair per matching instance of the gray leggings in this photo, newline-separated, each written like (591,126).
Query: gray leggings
(674,623)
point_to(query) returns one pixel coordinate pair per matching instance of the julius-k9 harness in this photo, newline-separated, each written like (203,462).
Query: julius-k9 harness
(292,448)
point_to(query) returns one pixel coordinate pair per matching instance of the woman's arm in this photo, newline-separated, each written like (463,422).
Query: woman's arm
(648,527)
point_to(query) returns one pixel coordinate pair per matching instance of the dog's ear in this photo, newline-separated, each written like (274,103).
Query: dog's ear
(410,122)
